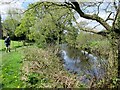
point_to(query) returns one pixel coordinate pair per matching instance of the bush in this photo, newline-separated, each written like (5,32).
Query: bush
(94,44)
(48,69)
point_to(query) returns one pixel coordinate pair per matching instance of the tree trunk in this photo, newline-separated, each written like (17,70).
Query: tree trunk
(119,57)
(113,58)
(118,62)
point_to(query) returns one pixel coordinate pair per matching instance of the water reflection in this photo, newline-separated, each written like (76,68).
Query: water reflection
(83,64)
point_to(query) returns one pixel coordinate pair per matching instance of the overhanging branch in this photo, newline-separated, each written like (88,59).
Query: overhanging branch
(102,33)
(87,16)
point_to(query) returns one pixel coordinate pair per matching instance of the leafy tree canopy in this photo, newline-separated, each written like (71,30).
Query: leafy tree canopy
(47,23)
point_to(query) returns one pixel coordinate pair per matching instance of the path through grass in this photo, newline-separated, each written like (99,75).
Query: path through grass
(11,69)
(10,65)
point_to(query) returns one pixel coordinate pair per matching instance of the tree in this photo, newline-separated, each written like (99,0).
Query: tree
(111,31)
(82,9)
(1,33)
(53,22)
(114,29)
(11,22)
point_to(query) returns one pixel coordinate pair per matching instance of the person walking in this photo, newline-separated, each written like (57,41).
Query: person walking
(7,43)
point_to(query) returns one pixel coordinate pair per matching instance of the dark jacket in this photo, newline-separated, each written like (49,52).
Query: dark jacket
(7,41)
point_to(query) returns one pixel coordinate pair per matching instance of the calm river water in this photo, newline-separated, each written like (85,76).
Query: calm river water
(83,64)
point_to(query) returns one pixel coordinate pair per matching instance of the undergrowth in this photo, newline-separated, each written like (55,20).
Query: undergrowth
(43,69)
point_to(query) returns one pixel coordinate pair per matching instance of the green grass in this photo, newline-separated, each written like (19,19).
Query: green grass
(45,69)
(14,68)
(11,69)
(14,44)
(10,65)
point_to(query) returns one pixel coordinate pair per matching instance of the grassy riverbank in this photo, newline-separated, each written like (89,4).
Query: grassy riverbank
(32,67)
(43,69)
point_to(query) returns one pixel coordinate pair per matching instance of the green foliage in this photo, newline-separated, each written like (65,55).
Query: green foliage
(26,22)
(71,36)
(10,23)
(46,23)
(94,44)
(108,83)
(118,23)
(32,79)
(46,71)
(84,37)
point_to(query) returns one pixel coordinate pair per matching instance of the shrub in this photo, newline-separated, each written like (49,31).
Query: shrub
(48,69)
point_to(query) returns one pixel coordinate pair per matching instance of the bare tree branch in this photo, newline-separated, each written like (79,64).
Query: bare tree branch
(95,26)
(90,30)
(115,6)
(75,5)
(102,33)
(98,8)
(92,17)
(106,9)
(108,18)
(117,14)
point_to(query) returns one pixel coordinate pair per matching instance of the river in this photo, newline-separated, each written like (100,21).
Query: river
(85,65)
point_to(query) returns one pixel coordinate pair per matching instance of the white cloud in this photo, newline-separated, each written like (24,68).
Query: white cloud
(5,5)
